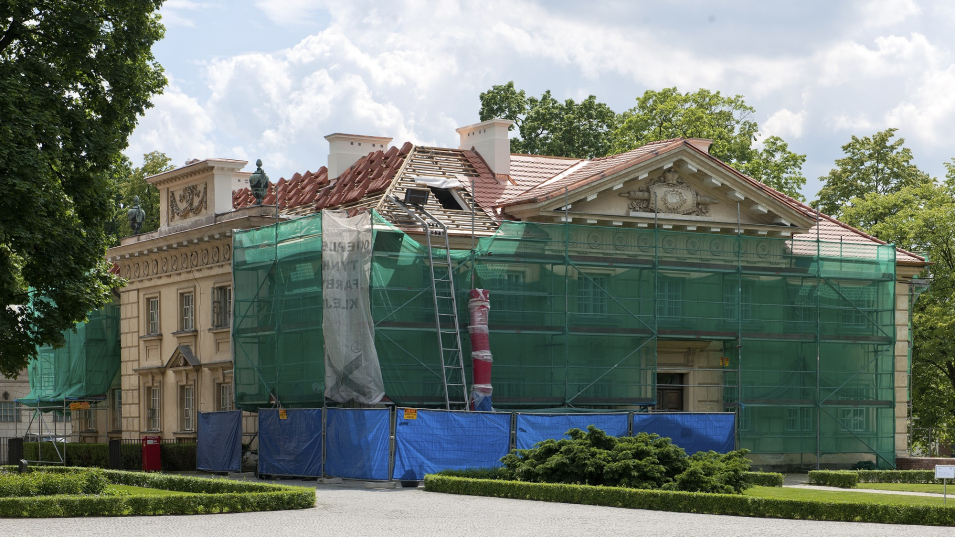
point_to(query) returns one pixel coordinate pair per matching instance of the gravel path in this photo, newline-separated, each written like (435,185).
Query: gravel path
(351,510)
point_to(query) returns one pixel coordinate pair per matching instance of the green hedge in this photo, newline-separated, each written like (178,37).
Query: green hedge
(694,502)
(206,496)
(764,479)
(899,476)
(175,457)
(87,481)
(834,478)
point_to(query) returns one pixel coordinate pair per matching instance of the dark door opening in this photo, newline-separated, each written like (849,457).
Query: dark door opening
(669,392)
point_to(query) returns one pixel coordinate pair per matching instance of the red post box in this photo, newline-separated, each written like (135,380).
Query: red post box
(152,460)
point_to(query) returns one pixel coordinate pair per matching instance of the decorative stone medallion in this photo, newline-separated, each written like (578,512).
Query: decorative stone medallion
(669,193)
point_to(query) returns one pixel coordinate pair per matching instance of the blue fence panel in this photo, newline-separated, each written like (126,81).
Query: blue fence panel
(428,441)
(356,443)
(533,428)
(692,432)
(291,446)
(219,441)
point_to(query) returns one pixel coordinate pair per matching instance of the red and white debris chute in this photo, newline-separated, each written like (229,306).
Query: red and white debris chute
(479,305)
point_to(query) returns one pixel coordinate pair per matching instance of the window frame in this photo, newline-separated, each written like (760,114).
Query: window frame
(187,305)
(153,326)
(187,407)
(225,403)
(116,409)
(221,306)
(592,297)
(155,403)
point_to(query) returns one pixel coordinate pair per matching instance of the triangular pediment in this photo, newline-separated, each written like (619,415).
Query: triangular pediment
(682,188)
(182,357)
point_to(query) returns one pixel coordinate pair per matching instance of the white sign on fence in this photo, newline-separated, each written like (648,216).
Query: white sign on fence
(945,472)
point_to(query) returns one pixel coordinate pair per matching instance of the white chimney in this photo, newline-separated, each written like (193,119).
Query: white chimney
(489,139)
(345,149)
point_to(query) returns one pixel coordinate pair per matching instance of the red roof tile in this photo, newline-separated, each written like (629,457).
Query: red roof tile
(295,192)
(370,174)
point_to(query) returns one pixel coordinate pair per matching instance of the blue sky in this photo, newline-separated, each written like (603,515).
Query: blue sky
(270,78)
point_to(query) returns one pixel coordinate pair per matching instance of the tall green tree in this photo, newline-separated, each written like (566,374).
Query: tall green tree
(547,126)
(873,164)
(668,113)
(778,167)
(74,78)
(921,217)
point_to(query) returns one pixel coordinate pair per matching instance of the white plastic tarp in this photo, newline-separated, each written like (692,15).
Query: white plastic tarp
(352,371)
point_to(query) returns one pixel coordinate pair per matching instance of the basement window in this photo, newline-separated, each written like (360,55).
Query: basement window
(448,199)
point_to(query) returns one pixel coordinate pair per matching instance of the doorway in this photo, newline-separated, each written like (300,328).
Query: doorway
(669,392)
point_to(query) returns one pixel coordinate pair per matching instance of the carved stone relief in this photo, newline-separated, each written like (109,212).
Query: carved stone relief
(192,200)
(159,265)
(669,193)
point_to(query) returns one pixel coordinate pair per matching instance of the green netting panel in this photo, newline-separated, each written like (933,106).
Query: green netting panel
(83,368)
(577,313)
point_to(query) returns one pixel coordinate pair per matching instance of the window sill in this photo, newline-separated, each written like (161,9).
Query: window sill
(220,329)
(150,337)
(186,332)
(184,433)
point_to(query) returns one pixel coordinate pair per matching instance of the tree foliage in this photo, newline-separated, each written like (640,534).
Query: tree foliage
(921,217)
(873,164)
(74,77)
(778,167)
(591,129)
(131,182)
(547,126)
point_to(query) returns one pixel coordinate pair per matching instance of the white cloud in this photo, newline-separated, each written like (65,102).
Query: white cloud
(845,122)
(289,12)
(785,124)
(929,113)
(882,13)
(178,126)
(893,56)
(173,12)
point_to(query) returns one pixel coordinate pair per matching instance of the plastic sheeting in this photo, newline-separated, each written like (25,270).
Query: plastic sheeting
(352,371)
(356,443)
(428,441)
(219,441)
(692,432)
(291,446)
(533,428)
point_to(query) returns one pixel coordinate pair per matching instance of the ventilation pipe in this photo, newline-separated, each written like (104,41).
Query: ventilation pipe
(479,305)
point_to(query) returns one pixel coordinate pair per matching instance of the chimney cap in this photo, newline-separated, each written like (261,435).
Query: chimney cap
(491,122)
(334,137)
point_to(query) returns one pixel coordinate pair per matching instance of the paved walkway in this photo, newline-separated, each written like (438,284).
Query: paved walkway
(345,510)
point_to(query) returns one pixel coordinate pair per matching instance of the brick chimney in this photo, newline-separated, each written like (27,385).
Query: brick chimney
(489,139)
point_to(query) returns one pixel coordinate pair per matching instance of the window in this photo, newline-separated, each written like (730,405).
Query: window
(669,298)
(861,304)
(853,419)
(186,406)
(187,311)
(512,301)
(8,411)
(803,300)
(221,307)
(152,413)
(85,420)
(730,307)
(116,400)
(447,199)
(152,315)
(799,419)
(591,294)
(225,396)
(59,417)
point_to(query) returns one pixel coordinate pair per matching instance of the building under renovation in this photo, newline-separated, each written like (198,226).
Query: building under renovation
(656,280)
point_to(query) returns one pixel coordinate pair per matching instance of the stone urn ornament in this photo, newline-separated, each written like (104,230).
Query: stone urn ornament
(136,216)
(259,183)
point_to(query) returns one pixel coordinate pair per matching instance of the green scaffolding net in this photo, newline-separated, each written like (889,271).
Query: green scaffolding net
(82,369)
(801,333)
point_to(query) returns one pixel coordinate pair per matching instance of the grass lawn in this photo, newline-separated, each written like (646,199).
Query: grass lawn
(908,487)
(142,491)
(849,496)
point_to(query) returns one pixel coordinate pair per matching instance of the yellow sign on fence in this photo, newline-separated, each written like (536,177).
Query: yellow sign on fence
(80,406)
(411,413)
(282,414)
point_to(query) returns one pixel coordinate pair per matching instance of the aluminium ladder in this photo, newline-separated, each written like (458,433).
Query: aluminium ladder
(445,308)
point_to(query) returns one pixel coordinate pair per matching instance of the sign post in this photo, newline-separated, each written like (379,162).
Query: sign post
(945,473)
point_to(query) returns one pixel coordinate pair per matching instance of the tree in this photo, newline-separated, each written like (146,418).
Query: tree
(549,127)
(872,165)
(778,167)
(921,217)
(74,78)
(665,114)
(131,182)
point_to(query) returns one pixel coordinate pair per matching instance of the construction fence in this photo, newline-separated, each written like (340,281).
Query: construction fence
(796,336)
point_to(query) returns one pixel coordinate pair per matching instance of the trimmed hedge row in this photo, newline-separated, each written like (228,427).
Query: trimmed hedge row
(764,479)
(694,502)
(834,478)
(205,496)
(87,481)
(899,476)
(175,457)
